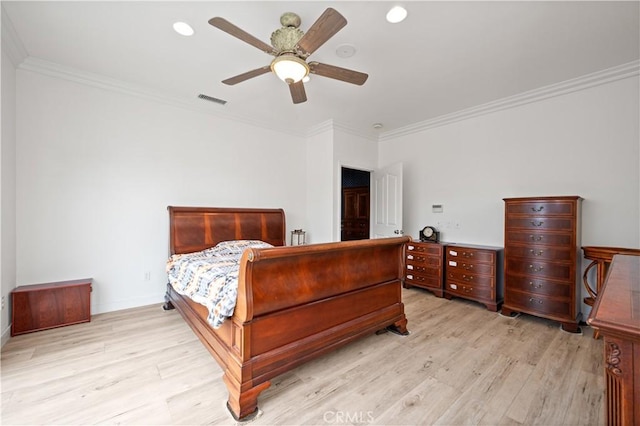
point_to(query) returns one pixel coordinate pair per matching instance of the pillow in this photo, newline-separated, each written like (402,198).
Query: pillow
(238,246)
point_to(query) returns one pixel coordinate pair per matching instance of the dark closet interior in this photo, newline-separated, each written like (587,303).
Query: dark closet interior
(355,204)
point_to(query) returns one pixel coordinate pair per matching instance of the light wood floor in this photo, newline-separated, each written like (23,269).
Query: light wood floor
(461,365)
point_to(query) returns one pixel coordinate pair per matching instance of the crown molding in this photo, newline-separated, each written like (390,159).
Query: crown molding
(372,136)
(53,69)
(11,43)
(18,55)
(320,128)
(335,125)
(580,83)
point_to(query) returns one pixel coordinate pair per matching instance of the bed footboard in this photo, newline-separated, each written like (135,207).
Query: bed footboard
(297,303)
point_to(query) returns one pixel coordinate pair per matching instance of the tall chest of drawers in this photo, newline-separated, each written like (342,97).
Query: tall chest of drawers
(423,266)
(542,243)
(474,272)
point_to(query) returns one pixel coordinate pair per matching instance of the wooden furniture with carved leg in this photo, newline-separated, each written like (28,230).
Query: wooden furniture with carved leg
(616,314)
(601,258)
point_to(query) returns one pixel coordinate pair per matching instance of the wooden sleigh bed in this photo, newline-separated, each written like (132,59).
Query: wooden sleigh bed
(294,303)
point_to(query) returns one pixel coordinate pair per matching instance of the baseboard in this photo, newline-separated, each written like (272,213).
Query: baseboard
(101,308)
(6,334)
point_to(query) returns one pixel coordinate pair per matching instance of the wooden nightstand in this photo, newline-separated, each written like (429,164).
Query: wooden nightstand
(423,266)
(474,272)
(42,306)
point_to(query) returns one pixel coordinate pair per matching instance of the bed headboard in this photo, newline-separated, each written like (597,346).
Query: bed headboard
(198,228)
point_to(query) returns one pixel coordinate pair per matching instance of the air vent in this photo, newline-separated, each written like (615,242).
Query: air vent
(212,99)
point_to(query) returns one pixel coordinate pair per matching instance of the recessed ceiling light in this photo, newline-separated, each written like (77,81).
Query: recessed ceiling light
(183,28)
(396,14)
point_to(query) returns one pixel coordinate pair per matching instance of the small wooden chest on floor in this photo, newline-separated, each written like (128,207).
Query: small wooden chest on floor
(42,306)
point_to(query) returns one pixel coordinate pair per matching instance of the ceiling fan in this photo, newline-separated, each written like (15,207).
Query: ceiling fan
(291,48)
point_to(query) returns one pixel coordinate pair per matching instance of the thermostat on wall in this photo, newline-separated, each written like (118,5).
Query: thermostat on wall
(437,208)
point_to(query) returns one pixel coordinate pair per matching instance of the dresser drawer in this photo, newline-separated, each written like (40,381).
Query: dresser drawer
(539,304)
(470,291)
(541,223)
(421,259)
(476,268)
(434,281)
(424,248)
(542,208)
(539,238)
(467,254)
(538,286)
(419,268)
(537,252)
(466,277)
(537,269)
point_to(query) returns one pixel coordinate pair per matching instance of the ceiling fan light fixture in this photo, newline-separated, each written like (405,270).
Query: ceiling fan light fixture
(396,14)
(290,68)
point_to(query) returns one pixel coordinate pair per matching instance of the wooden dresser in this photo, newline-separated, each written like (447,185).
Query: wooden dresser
(43,306)
(542,242)
(474,272)
(355,214)
(423,266)
(616,315)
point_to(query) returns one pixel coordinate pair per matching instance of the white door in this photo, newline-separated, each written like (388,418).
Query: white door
(386,202)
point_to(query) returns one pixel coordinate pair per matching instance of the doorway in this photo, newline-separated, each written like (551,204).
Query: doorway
(356,189)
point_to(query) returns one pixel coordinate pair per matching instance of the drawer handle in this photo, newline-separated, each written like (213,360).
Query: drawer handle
(535,285)
(465,254)
(467,289)
(535,238)
(409,277)
(467,278)
(536,268)
(410,247)
(534,223)
(539,209)
(538,253)
(532,300)
(420,268)
(467,267)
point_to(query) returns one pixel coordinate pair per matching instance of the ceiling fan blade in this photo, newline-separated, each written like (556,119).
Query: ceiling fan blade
(297,92)
(325,27)
(343,74)
(231,29)
(247,75)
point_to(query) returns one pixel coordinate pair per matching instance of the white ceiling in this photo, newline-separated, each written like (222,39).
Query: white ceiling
(445,57)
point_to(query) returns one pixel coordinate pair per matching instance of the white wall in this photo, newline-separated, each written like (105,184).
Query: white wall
(355,152)
(329,148)
(96,170)
(8,191)
(320,186)
(584,143)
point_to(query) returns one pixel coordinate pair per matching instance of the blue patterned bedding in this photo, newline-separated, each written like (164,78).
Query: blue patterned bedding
(210,277)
